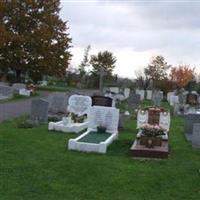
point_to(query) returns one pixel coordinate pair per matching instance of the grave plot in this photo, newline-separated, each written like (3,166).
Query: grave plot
(102,131)
(76,121)
(152,138)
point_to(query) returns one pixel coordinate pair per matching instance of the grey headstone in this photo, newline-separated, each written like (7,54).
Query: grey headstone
(39,110)
(196,135)
(18,86)
(157,98)
(58,103)
(190,120)
(134,100)
(6,92)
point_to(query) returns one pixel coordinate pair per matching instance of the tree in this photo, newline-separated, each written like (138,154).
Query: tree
(33,38)
(103,60)
(157,69)
(85,61)
(103,64)
(182,75)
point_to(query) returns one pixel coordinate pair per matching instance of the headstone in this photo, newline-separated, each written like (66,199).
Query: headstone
(141,93)
(114,90)
(134,101)
(157,98)
(169,94)
(126,92)
(149,94)
(190,120)
(173,100)
(58,103)
(192,99)
(104,116)
(102,101)
(39,111)
(196,135)
(164,120)
(18,86)
(6,92)
(79,104)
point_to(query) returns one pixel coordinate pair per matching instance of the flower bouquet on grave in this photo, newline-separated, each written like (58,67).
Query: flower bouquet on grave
(78,119)
(151,135)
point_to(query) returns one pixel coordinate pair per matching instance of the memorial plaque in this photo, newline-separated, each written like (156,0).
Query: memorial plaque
(101,101)
(39,110)
(196,135)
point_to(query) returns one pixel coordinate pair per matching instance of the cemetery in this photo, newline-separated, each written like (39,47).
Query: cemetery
(112,120)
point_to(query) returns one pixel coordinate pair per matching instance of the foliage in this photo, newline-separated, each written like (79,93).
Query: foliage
(77,119)
(103,60)
(33,38)
(182,75)
(85,61)
(165,85)
(157,69)
(25,124)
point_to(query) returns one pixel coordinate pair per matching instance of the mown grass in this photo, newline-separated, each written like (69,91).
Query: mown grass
(36,164)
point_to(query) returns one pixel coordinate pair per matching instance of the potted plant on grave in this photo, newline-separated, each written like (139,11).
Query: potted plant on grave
(151,135)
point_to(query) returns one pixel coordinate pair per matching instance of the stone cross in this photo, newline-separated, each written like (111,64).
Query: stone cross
(101,74)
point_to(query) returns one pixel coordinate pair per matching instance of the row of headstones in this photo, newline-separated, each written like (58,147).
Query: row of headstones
(7,92)
(191,129)
(57,104)
(117,93)
(181,98)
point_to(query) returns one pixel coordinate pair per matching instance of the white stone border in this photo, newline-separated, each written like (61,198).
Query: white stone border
(73,128)
(73,144)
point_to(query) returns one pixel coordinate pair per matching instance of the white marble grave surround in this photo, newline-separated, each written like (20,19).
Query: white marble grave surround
(143,116)
(99,116)
(69,128)
(79,104)
(25,92)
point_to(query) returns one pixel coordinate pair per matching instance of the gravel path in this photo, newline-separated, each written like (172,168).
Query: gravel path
(13,109)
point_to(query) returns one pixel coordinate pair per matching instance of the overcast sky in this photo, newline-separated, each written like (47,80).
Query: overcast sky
(135,31)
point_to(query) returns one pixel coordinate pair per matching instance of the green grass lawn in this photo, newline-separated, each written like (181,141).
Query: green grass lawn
(35,164)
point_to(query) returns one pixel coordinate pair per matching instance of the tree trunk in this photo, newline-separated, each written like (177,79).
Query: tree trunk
(18,75)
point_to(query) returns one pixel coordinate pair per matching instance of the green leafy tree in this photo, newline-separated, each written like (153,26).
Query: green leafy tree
(103,61)
(103,64)
(157,69)
(34,38)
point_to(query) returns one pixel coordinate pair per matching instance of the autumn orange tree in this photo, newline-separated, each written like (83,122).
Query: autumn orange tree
(182,75)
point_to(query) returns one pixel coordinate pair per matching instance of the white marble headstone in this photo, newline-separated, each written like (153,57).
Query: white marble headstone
(149,94)
(104,116)
(79,104)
